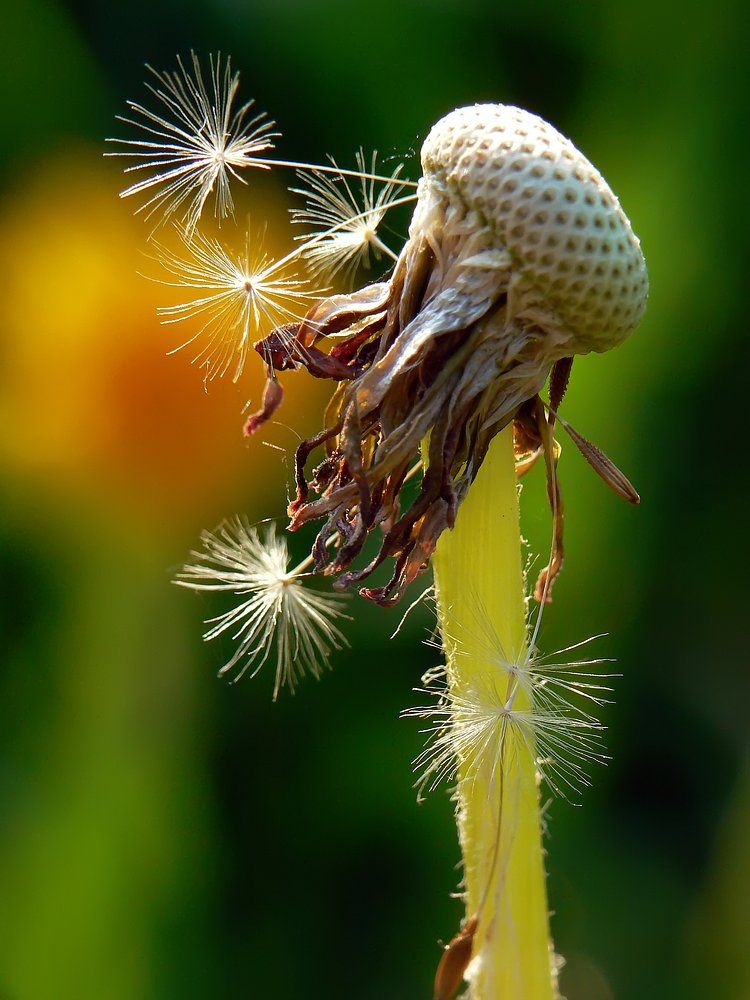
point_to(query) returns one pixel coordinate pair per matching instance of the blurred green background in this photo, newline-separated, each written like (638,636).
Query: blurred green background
(168,835)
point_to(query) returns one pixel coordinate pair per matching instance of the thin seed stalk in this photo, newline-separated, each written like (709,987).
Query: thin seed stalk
(478,574)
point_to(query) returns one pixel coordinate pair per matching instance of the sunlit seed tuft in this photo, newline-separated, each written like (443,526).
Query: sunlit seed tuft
(531,704)
(274,605)
(344,221)
(194,144)
(239,297)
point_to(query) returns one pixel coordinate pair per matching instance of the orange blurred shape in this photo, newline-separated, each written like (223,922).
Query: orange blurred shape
(90,403)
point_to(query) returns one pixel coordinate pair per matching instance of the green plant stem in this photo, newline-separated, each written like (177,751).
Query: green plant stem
(478,574)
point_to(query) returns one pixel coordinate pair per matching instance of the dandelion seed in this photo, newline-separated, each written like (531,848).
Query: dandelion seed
(531,704)
(547,678)
(196,142)
(344,221)
(274,604)
(245,294)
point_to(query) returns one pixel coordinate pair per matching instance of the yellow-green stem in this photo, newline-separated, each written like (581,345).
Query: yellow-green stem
(478,573)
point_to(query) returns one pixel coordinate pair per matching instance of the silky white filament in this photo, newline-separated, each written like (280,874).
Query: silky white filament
(273,604)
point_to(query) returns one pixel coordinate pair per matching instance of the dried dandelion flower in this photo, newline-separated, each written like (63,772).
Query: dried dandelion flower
(519,257)
(274,605)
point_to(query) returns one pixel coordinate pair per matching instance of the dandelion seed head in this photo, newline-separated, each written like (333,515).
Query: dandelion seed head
(575,257)
(194,144)
(518,257)
(274,608)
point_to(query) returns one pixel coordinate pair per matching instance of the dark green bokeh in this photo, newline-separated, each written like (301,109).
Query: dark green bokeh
(167,835)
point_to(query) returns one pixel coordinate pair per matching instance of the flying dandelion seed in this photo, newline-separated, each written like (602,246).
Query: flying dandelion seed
(274,605)
(195,143)
(243,295)
(345,220)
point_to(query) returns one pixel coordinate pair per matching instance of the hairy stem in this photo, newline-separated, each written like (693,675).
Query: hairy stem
(480,588)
